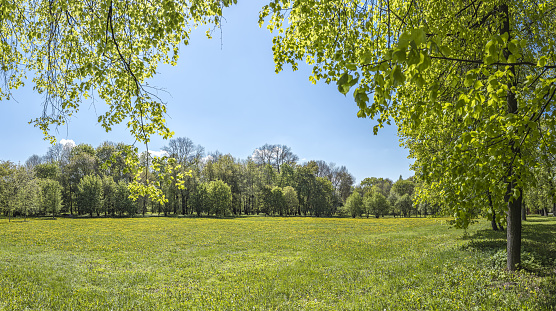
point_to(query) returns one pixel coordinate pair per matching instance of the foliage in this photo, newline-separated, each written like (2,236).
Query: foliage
(123,201)
(219,198)
(466,83)
(50,196)
(89,195)
(354,204)
(291,201)
(404,205)
(376,204)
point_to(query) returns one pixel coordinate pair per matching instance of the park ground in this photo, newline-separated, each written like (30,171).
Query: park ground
(271,263)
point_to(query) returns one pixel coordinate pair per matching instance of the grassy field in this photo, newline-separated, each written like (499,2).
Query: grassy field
(264,263)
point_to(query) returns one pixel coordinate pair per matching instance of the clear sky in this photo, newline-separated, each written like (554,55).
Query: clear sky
(225,96)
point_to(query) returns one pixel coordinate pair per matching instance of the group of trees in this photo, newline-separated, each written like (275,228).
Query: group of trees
(82,180)
(380,196)
(270,181)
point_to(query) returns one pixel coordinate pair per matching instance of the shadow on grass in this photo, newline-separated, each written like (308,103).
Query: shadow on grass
(538,241)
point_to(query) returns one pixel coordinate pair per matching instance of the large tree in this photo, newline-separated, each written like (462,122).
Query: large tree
(275,155)
(467,83)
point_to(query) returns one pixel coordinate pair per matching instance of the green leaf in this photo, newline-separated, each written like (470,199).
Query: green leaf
(397,75)
(404,40)
(366,58)
(399,55)
(419,36)
(512,46)
(469,80)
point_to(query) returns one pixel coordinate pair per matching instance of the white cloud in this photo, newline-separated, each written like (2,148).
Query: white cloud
(160,153)
(68,142)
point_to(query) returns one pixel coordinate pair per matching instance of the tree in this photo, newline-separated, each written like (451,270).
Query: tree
(89,195)
(18,189)
(33,161)
(277,202)
(384,185)
(346,181)
(354,204)
(403,187)
(47,170)
(121,45)
(376,204)
(219,198)
(50,197)
(275,155)
(291,201)
(467,84)
(200,199)
(108,195)
(123,202)
(184,151)
(404,205)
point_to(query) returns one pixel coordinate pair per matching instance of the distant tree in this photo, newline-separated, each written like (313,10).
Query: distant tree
(383,185)
(108,195)
(376,203)
(200,199)
(7,189)
(50,196)
(267,199)
(58,153)
(33,161)
(220,198)
(354,204)
(402,187)
(18,189)
(287,175)
(275,155)
(47,170)
(392,199)
(89,195)
(27,197)
(278,202)
(184,151)
(304,186)
(404,205)
(290,198)
(123,202)
(322,198)
(346,181)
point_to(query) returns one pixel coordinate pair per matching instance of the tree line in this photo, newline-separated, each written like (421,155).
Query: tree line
(82,180)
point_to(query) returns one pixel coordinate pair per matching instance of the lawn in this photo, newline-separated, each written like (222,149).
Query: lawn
(268,263)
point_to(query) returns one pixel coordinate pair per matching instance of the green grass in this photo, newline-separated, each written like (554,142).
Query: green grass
(264,263)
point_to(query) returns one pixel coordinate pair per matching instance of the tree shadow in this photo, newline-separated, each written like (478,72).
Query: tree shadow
(537,239)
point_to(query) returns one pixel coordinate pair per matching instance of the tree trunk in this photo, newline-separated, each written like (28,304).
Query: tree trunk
(514,231)
(514,204)
(183,202)
(523,213)
(493,222)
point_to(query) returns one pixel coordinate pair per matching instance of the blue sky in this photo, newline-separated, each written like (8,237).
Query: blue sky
(225,95)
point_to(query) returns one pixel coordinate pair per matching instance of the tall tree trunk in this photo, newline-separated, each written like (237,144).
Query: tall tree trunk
(523,213)
(514,204)
(514,232)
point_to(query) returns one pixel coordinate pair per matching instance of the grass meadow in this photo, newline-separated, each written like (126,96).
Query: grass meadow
(271,263)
